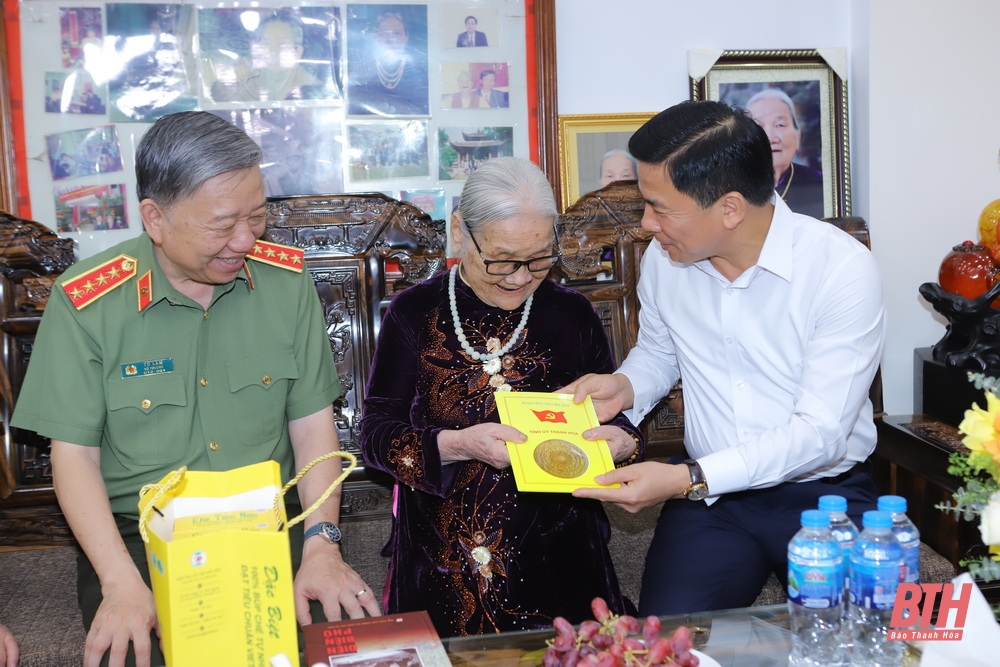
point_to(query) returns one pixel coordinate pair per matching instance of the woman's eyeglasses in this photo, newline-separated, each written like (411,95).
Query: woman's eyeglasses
(506,267)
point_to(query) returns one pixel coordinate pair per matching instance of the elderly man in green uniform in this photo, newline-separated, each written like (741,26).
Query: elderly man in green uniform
(175,349)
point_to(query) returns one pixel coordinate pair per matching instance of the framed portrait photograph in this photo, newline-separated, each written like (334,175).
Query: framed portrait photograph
(154,43)
(387,60)
(800,100)
(269,55)
(594,152)
(470,26)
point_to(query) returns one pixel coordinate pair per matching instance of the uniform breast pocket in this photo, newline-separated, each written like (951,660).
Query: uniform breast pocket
(259,389)
(148,421)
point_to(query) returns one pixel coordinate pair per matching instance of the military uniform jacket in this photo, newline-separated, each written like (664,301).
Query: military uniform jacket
(158,382)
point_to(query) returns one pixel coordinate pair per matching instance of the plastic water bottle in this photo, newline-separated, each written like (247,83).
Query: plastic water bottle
(846,534)
(815,592)
(877,567)
(843,529)
(906,533)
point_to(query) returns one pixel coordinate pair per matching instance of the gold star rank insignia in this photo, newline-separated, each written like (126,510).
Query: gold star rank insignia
(144,290)
(275,254)
(88,287)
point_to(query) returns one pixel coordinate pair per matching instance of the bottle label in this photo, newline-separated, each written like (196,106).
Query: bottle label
(815,586)
(912,564)
(873,586)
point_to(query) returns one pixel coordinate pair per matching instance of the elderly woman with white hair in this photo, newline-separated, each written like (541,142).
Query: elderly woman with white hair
(617,165)
(800,186)
(466,546)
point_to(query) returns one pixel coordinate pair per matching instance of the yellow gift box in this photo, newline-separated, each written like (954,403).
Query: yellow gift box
(224,596)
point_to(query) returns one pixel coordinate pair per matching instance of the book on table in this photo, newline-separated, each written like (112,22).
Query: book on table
(555,457)
(404,640)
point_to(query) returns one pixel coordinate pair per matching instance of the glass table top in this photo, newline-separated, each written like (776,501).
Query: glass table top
(752,636)
(747,637)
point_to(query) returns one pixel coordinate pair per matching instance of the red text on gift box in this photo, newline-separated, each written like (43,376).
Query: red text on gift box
(915,604)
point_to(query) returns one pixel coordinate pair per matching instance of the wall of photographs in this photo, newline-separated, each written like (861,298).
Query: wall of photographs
(404,99)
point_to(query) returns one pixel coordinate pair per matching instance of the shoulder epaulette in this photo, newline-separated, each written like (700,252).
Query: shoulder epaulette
(92,285)
(275,254)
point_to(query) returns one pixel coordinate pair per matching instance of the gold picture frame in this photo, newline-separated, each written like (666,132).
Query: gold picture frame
(584,139)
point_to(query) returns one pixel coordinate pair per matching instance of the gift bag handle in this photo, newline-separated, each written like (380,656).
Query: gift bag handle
(176,476)
(352,463)
(161,489)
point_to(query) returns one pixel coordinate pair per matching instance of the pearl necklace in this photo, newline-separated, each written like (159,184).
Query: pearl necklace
(389,79)
(483,356)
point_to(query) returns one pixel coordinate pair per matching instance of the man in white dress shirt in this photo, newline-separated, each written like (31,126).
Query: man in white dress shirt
(775,322)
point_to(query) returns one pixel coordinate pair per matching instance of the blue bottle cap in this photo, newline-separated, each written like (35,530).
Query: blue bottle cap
(833,503)
(892,503)
(876,519)
(815,519)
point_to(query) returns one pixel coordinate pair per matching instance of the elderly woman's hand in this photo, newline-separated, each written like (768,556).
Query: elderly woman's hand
(620,441)
(483,442)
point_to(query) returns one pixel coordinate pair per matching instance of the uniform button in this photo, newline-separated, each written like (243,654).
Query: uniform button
(729,340)
(746,431)
(205,316)
(204,382)
(214,446)
(739,385)
(146,403)
(266,380)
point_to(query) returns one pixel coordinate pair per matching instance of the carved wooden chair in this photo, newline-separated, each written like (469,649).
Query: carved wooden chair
(31,258)
(361,249)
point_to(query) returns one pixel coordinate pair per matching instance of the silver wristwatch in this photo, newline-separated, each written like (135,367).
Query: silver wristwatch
(327,530)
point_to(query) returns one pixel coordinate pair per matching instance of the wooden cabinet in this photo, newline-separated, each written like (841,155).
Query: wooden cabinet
(911,460)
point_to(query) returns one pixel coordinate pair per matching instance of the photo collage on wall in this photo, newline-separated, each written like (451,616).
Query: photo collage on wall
(404,99)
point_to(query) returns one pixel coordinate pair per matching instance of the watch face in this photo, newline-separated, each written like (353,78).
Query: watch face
(330,532)
(697,492)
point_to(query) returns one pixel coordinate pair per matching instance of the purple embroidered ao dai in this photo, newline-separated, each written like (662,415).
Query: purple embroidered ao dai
(466,546)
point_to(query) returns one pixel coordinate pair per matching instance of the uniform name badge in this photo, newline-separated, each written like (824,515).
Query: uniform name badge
(151,367)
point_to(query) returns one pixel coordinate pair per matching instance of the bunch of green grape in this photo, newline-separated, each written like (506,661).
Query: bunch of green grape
(616,641)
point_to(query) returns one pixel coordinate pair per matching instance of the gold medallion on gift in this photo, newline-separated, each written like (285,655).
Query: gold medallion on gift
(561,458)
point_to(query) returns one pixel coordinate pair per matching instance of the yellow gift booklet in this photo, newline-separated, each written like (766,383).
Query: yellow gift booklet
(555,457)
